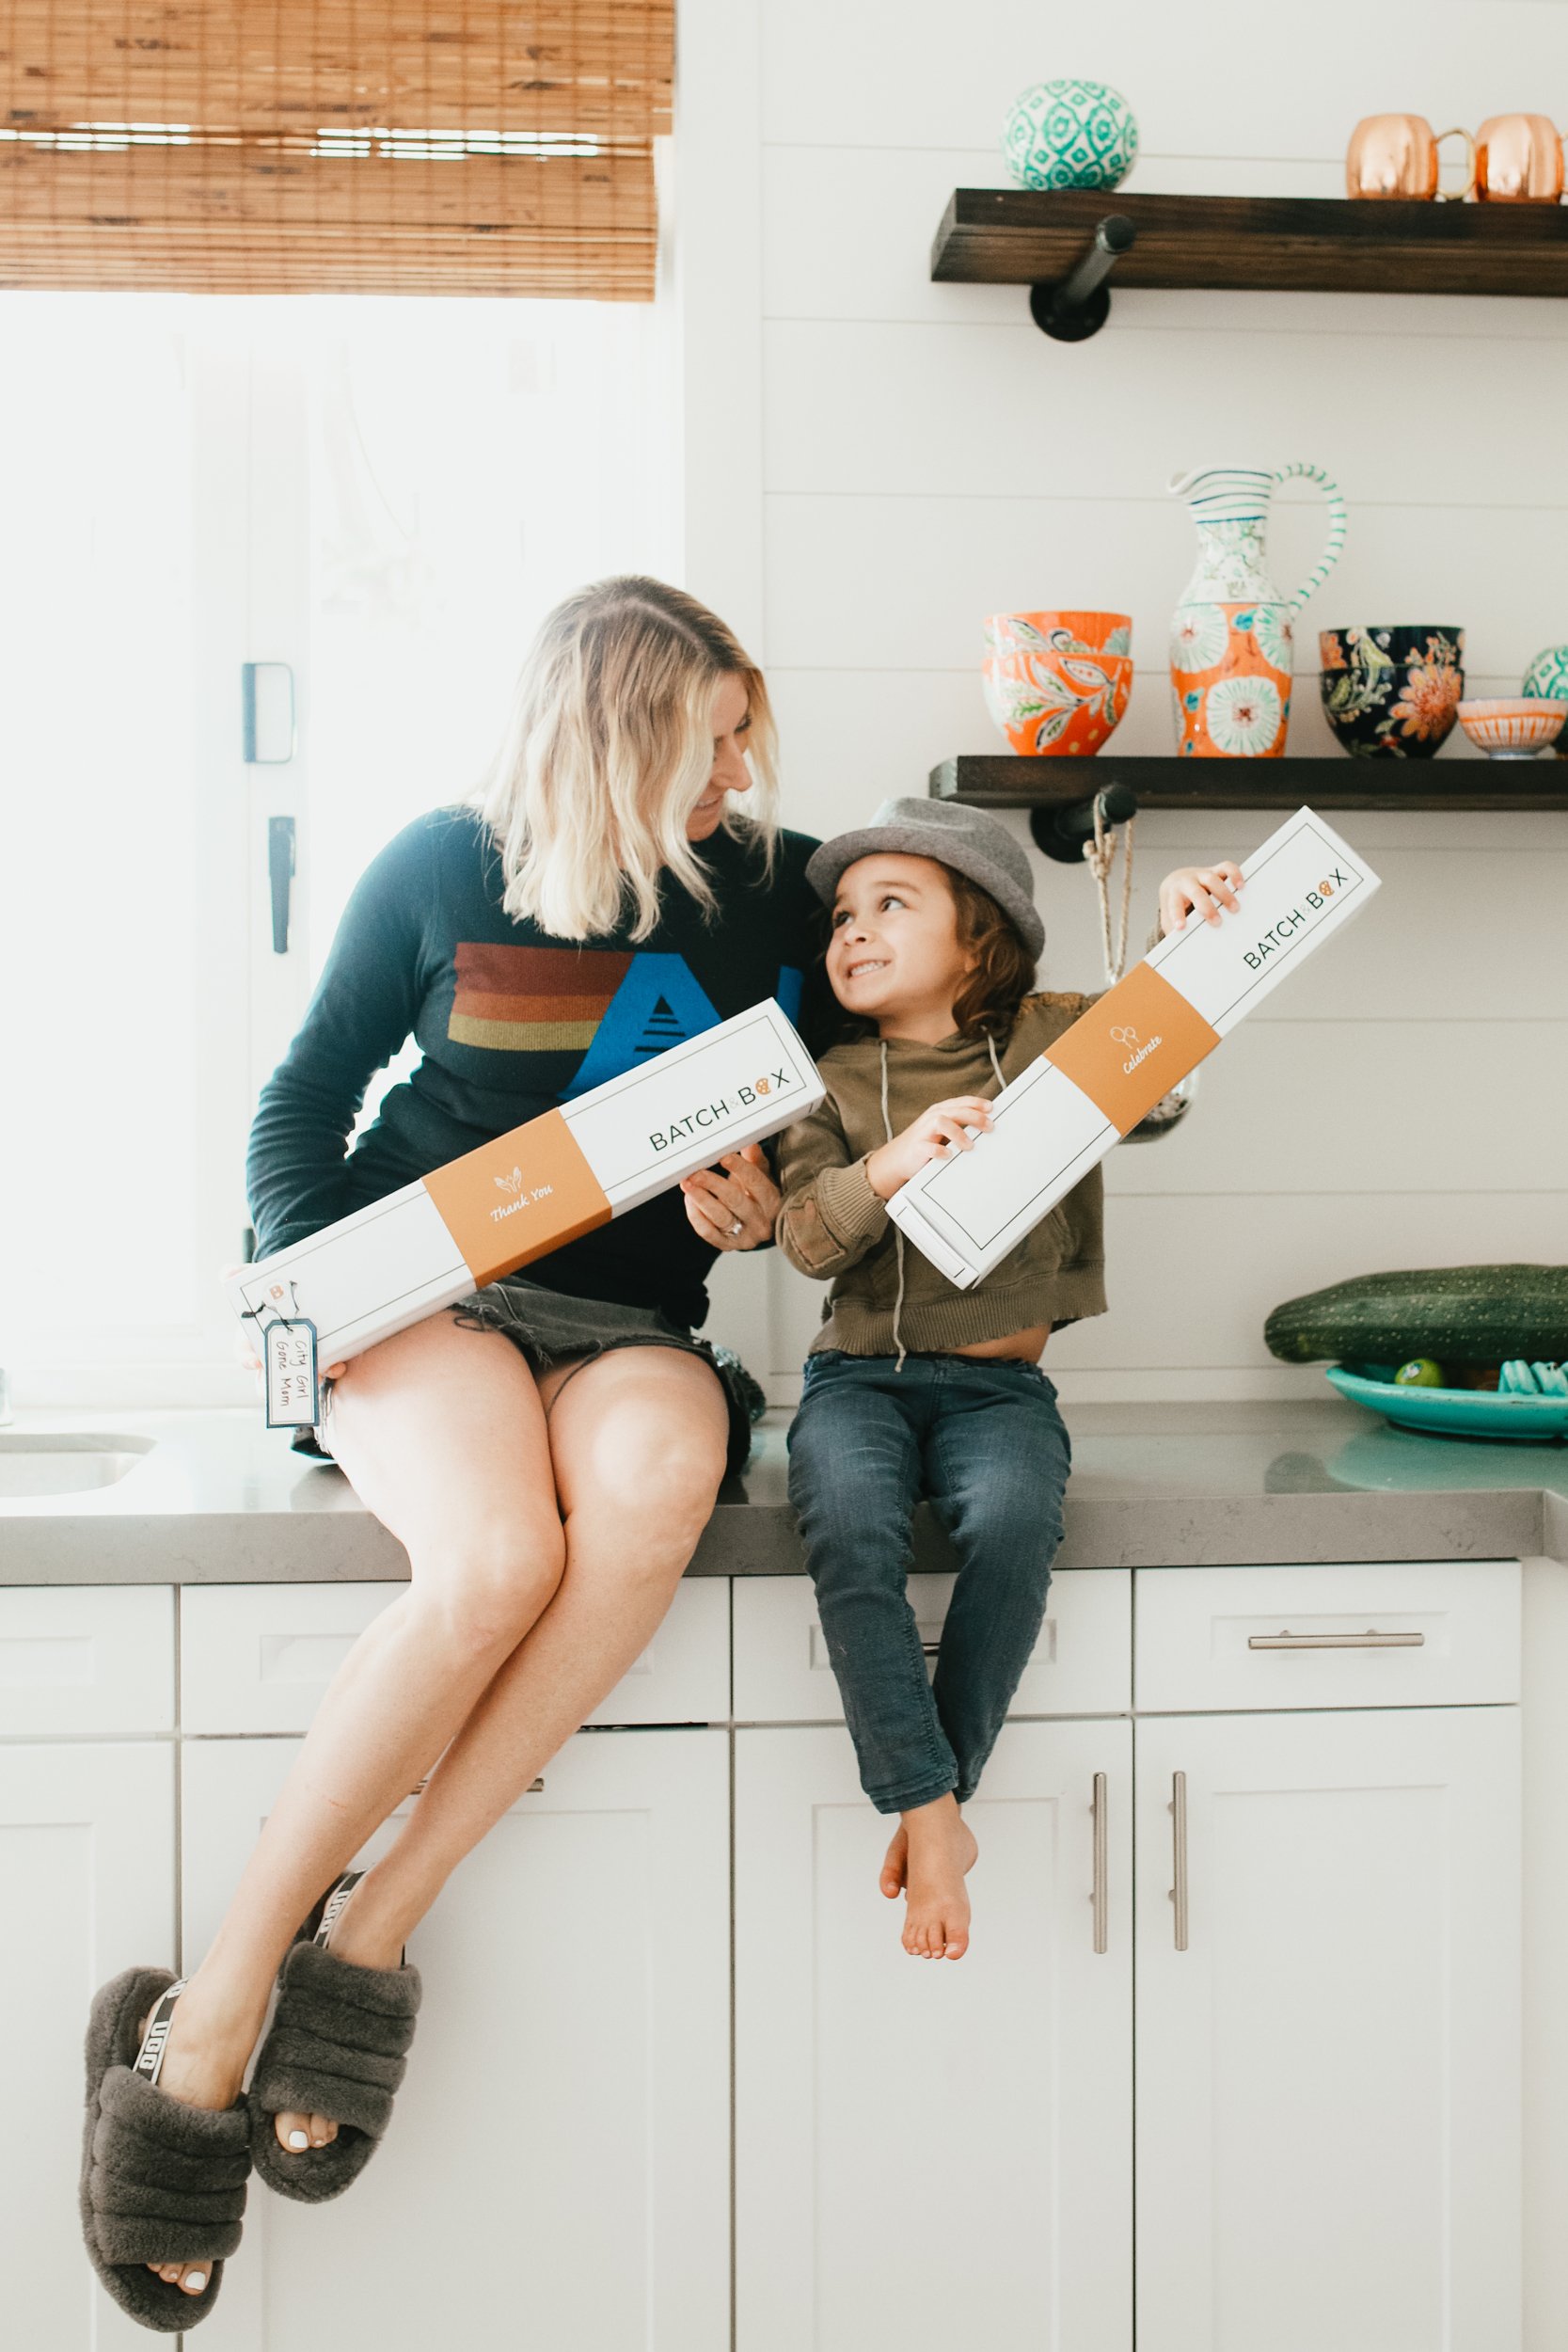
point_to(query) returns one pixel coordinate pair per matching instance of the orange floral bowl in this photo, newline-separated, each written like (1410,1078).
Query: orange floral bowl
(1513,726)
(1057,683)
(1392,694)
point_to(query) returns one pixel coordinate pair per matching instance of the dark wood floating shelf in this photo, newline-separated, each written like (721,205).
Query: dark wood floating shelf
(1004,782)
(1024,237)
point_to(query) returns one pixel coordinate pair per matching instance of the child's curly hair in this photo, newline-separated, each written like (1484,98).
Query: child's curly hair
(1003,970)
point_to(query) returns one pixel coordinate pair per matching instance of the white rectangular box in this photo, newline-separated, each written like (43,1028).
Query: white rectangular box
(1053,1124)
(537,1187)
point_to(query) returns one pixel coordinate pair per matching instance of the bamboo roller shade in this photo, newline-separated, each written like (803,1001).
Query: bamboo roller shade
(333,146)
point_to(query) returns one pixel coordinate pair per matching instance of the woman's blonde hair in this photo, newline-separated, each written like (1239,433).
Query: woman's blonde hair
(610,748)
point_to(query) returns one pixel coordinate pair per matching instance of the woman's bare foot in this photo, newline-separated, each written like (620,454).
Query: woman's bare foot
(356,1938)
(204,2063)
(932,1852)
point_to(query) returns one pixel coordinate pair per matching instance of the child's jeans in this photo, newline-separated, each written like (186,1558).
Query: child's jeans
(982,1437)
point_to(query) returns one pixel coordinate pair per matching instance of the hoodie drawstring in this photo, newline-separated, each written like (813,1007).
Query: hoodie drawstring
(897,1231)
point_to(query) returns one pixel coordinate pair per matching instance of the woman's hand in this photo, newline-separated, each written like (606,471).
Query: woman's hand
(934,1136)
(1199,890)
(734,1210)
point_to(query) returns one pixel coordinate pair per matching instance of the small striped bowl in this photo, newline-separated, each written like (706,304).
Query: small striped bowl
(1513,726)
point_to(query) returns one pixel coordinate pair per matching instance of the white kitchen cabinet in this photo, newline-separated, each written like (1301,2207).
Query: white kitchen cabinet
(1372,1633)
(557,2172)
(86,1861)
(258,1658)
(1082,1662)
(1328,2074)
(932,2151)
(85,1660)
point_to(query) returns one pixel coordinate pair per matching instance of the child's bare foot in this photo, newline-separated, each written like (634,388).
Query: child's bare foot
(929,1859)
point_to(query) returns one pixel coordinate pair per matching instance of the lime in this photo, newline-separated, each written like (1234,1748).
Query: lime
(1420,1373)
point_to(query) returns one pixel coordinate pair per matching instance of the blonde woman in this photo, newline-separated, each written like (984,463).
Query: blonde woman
(547,1454)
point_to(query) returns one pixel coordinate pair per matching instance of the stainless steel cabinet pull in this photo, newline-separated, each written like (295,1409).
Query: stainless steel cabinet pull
(1335,1641)
(280,877)
(1102,1890)
(1178,1842)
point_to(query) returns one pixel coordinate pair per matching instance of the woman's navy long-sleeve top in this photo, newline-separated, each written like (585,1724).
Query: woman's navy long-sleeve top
(511,1021)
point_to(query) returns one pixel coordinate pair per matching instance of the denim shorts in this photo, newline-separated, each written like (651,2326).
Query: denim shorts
(549,1327)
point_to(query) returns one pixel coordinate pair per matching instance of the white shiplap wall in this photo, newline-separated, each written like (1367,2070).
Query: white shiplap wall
(923,456)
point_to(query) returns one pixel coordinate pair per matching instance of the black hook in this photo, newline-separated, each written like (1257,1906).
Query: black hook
(1061,830)
(1079,306)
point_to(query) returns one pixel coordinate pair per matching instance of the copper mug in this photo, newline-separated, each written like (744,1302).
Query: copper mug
(1397,155)
(1519,160)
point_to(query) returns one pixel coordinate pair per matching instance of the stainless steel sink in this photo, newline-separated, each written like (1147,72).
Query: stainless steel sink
(65,1462)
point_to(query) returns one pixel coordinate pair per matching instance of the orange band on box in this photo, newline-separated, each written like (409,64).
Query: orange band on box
(1133,1046)
(529,1191)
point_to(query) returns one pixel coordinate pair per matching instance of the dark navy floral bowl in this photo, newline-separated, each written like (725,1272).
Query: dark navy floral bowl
(1392,694)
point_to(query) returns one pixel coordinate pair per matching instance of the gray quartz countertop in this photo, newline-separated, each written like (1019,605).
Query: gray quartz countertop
(212,1497)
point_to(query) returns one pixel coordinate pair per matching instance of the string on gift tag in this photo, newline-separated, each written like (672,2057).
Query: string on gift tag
(1101,855)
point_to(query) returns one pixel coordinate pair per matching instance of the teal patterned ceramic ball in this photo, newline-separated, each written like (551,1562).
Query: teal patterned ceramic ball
(1546,679)
(1070,135)
(1547,674)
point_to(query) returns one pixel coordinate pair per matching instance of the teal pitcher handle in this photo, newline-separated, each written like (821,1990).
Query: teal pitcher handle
(1337,519)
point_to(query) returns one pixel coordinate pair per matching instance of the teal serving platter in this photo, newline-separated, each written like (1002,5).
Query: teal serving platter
(1454,1412)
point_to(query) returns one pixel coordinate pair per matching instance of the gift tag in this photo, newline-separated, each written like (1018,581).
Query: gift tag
(289,1357)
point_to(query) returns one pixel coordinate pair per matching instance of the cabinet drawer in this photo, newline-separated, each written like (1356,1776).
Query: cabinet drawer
(1395,1633)
(1082,1664)
(256,1658)
(86,1658)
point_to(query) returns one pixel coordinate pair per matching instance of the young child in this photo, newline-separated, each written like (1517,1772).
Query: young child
(912,1386)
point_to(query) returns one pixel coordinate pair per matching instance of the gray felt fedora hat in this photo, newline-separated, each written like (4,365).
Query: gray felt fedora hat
(965,838)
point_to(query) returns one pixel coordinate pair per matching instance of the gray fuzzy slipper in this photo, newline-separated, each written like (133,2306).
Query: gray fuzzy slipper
(161,2182)
(338,2046)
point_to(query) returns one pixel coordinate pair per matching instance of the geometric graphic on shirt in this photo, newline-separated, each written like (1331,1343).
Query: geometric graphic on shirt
(660,1003)
(534,1000)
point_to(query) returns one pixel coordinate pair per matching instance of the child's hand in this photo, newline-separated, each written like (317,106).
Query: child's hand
(934,1136)
(1199,890)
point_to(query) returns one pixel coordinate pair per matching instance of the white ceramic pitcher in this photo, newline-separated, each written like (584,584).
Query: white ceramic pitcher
(1232,639)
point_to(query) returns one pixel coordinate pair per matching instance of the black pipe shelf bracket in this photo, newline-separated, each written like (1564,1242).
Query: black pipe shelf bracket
(1062,828)
(1073,309)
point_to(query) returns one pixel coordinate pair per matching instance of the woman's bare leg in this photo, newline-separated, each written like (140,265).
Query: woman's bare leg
(638,1438)
(442,1432)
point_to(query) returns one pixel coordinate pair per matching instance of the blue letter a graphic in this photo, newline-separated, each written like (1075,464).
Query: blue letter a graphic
(658,1005)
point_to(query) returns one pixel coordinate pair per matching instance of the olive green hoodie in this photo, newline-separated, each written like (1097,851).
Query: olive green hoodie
(833,1224)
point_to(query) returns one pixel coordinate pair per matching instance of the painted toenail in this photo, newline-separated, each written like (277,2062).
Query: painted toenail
(196,2280)
(299,2140)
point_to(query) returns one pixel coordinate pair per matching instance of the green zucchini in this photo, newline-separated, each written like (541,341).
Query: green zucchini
(1460,1314)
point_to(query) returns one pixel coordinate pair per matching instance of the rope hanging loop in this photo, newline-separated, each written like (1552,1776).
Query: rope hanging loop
(1101,853)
